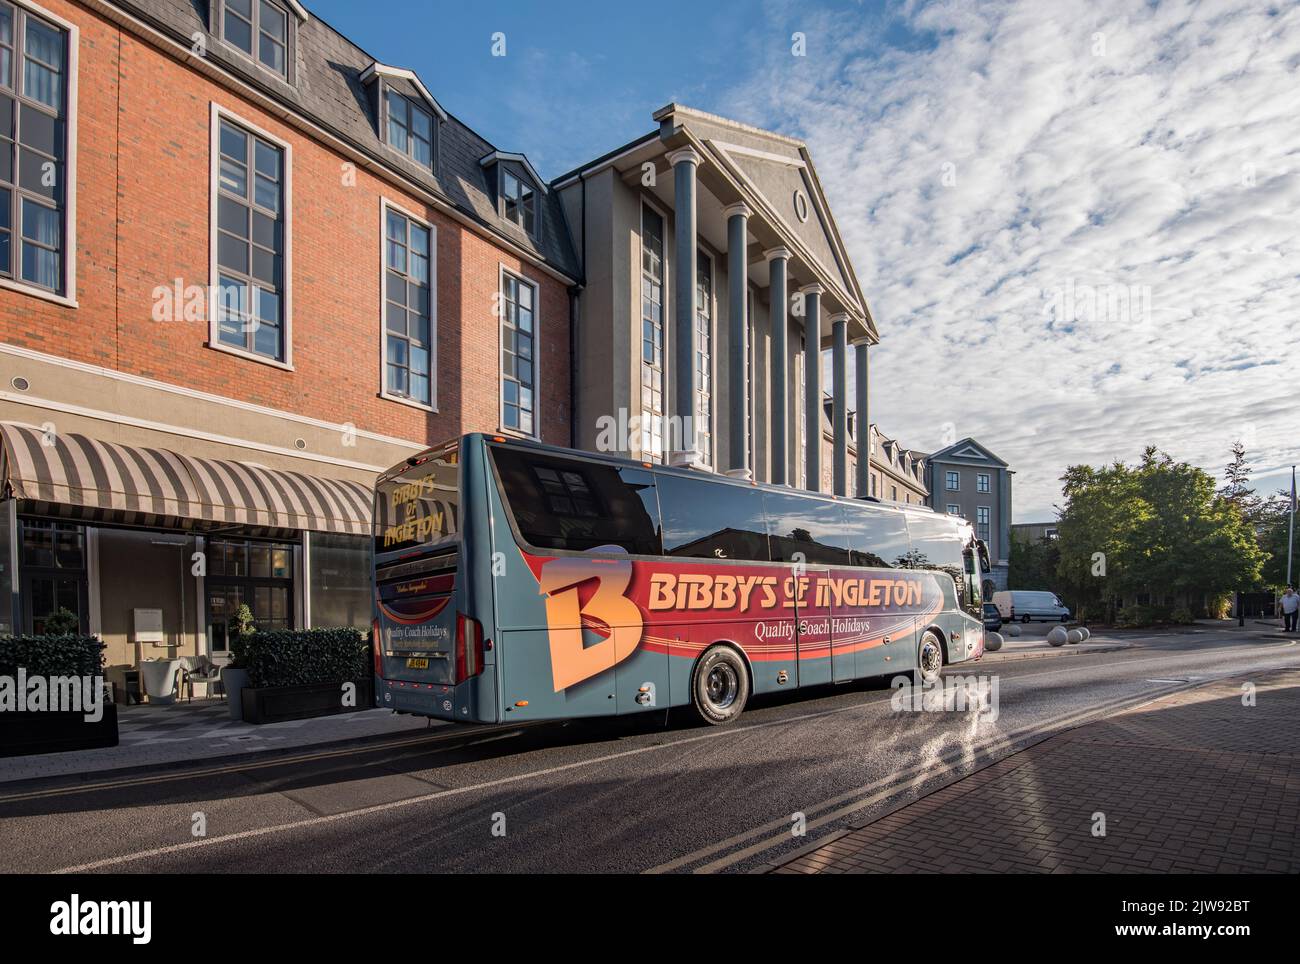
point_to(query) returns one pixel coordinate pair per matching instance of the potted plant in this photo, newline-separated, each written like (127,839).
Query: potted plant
(234,676)
(62,622)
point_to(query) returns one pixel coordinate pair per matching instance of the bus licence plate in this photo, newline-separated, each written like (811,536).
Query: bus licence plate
(417,662)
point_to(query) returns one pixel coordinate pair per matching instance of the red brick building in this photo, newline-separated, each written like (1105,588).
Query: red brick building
(243,267)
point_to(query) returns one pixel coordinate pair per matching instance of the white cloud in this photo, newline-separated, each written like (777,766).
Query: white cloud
(1168,168)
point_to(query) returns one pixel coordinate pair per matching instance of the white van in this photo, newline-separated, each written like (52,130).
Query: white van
(1026,606)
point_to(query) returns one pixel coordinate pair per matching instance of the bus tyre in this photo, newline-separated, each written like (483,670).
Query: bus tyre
(720,686)
(1024,619)
(929,660)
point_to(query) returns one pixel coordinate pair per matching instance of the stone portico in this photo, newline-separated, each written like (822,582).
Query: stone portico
(715,278)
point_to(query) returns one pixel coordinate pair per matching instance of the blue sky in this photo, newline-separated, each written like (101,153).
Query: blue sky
(1077,223)
(578,79)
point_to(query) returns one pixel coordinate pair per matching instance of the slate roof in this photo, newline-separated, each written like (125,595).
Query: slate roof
(327,91)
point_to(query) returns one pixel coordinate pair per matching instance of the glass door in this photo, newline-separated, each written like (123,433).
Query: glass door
(53,572)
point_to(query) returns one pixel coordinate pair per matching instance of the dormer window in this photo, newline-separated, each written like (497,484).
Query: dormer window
(410,129)
(519,201)
(260,29)
(518,188)
(406,115)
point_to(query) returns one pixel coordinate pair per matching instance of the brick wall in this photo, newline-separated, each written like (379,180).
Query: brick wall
(143,171)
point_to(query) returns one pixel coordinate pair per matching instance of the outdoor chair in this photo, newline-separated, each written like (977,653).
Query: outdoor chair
(199,671)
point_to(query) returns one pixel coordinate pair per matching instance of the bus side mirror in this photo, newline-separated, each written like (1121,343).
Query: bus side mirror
(985,565)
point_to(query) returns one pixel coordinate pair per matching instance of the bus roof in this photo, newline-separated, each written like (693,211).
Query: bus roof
(683,471)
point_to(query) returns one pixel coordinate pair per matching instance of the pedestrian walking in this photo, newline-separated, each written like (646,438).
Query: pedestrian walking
(1290,604)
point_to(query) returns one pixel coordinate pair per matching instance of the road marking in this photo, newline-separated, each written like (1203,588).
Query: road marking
(441,794)
(459,730)
(489,784)
(1067,723)
(891,785)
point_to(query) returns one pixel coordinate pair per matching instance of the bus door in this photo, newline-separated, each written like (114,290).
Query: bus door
(813,637)
(848,628)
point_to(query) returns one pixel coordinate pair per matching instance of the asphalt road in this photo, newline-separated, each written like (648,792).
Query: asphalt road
(621,795)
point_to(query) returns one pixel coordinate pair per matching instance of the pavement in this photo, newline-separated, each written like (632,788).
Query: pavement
(1200,780)
(151,735)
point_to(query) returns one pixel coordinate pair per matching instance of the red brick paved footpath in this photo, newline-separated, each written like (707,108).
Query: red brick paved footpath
(1194,782)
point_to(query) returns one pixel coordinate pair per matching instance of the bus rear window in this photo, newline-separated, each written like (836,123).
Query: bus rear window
(420,507)
(577,506)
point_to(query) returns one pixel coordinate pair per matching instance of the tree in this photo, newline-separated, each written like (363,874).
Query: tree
(1032,564)
(1095,536)
(1273,530)
(1158,528)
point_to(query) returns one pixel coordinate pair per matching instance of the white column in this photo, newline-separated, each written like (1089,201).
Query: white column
(737,217)
(682,445)
(812,362)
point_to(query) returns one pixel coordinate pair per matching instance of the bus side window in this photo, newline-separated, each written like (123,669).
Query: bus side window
(801,529)
(936,545)
(877,537)
(704,519)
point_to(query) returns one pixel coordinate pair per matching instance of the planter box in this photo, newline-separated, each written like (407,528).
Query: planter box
(22,734)
(234,681)
(275,704)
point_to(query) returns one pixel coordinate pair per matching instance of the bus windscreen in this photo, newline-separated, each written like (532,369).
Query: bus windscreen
(420,507)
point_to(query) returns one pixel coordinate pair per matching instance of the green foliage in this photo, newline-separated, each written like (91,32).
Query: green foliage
(1132,617)
(297,657)
(244,628)
(1032,564)
(49,655)
(1274,529)
(62,622)
(1162,531)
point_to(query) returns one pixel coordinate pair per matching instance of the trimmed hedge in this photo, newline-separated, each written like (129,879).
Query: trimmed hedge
(51,655)
(299,657)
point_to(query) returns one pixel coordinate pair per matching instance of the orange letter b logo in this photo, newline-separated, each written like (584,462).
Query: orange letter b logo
(571,661)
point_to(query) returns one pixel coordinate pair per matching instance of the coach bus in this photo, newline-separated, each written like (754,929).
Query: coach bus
(517,581)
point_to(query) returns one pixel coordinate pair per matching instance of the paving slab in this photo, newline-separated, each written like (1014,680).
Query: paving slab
(1205,780)
(151,735)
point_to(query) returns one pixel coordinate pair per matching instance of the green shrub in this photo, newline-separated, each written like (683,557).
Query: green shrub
(242,629)
(49,655)
(1182,616)
(298,657)
(1133,617)
(62,622)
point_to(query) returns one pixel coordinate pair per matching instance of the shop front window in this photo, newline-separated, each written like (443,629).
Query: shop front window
(244,572)
(339,580)
(53,567)
(7,586)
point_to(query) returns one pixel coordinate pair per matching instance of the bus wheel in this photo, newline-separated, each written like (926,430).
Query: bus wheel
(720,686)
(1024,619)
(929,659)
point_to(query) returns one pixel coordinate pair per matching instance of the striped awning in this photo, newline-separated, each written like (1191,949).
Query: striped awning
(150,486)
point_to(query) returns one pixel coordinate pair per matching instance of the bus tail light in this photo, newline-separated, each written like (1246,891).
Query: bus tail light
(469,647)
(378,649)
